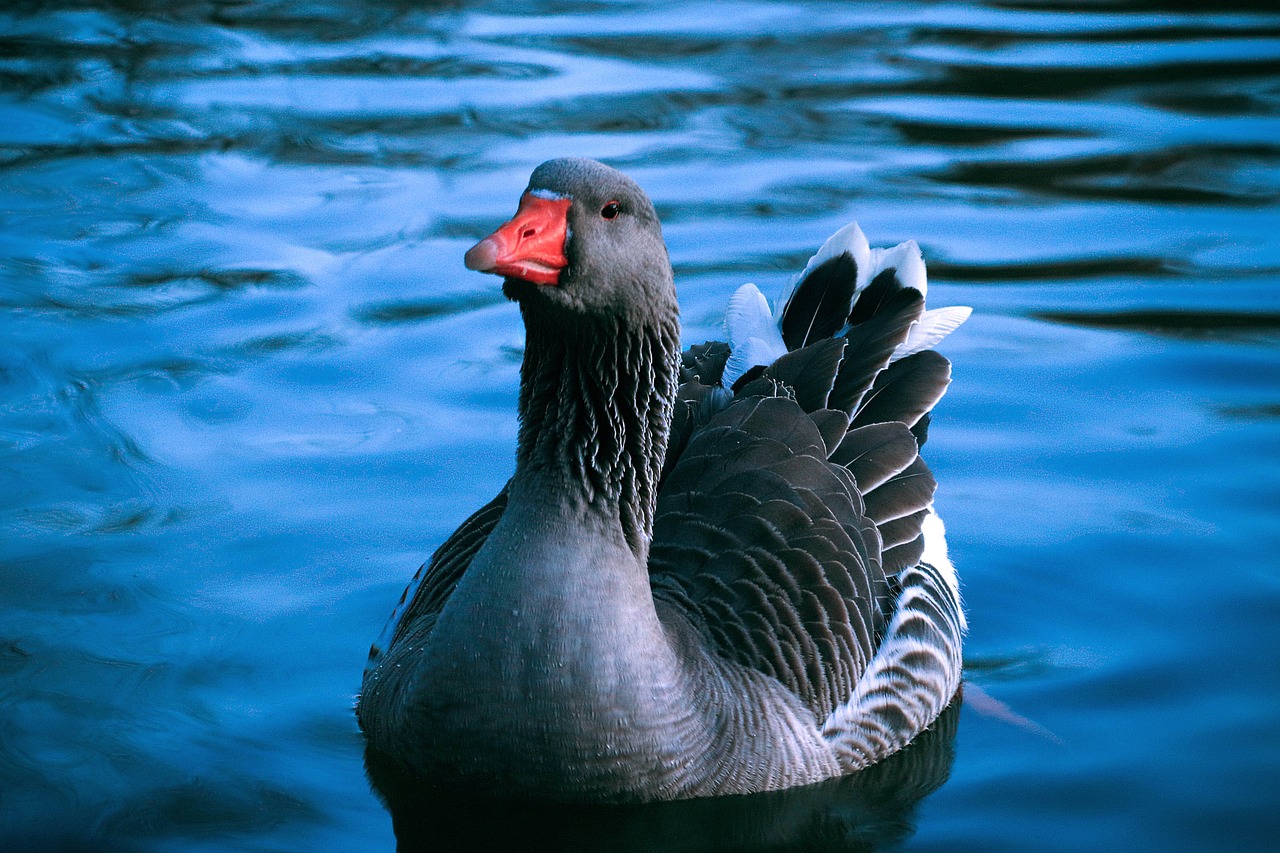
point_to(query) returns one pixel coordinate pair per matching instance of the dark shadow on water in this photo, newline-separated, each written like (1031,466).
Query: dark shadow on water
(1264,411)
(395,313)
(1189,175)
(1173,323)
(1067,270)
(871,810)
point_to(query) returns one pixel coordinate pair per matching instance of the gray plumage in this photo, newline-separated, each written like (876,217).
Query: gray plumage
(682,591)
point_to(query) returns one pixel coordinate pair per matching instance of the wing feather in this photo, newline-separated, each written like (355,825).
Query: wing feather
(431,586)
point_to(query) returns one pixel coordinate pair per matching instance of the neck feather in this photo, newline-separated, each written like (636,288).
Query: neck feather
(595,408)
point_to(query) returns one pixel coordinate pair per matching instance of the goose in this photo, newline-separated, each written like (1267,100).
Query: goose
(713,572)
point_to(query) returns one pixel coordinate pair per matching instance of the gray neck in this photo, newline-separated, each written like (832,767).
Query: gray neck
(595,407)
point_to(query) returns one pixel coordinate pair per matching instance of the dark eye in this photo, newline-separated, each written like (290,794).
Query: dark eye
(611,210)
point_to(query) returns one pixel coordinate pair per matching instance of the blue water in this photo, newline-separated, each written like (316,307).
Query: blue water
(247,386)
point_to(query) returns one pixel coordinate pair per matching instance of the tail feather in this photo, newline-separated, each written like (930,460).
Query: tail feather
(873,298)
(884,284)
(753,335)
(906,261)
(850,241)
(872,343)
(820,302)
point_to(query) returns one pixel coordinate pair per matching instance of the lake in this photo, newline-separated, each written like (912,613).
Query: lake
(247,385)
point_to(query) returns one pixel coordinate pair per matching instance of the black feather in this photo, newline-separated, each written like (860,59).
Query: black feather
(704,362)
(921,429)
(753,373)
(871,344)
(696,403)
(902,530)
(905,390)
(876,452)
(820,303)
(760,544)
(884,285)
(903,556)
(763,387)
(832,423)
(810,371)
(903,494)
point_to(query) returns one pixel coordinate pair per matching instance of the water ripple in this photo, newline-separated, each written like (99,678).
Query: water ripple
(1204,174)
(248,383)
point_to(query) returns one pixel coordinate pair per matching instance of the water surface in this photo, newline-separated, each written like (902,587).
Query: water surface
(246,384)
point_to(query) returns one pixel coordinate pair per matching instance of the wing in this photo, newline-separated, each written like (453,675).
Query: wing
(424,597)
(790,515)
(757,538)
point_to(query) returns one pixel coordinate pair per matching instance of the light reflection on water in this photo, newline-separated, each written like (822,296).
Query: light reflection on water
(248,385)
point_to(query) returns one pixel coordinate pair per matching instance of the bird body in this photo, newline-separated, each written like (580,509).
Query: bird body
(705,575)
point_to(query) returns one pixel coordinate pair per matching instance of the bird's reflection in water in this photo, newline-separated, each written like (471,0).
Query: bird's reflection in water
(867,811)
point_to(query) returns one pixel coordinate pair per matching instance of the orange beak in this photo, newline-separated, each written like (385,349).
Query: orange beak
(531,246)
